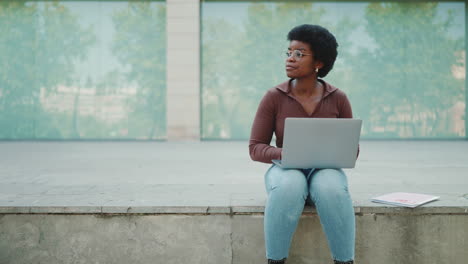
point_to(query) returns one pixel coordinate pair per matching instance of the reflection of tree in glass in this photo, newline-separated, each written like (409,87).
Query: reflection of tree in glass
(220,75)
(139,44)
(240,64)
(38,45)
(408,79)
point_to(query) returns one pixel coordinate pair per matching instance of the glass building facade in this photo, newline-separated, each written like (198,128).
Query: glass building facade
(97,69)
(401,63)
(82,70)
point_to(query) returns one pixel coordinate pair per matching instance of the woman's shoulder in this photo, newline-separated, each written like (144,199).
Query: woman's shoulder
(333,90)
(282,87)
(277,91)
(340,93)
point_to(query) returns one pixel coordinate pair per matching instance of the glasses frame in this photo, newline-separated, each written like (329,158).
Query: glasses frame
(298,54)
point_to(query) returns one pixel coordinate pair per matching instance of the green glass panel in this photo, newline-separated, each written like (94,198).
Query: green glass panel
(402,64)
(82,70)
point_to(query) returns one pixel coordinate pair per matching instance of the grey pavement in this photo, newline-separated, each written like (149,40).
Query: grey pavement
(208,176)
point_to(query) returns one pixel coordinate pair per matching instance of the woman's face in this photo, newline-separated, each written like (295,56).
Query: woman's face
(304,66)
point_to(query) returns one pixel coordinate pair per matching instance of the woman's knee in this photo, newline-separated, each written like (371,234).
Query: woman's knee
(287,182)
(329,183)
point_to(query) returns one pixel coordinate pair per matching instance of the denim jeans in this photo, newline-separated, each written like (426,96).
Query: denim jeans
(289,190)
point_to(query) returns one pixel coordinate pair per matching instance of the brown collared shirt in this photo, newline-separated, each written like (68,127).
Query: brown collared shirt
(278,104)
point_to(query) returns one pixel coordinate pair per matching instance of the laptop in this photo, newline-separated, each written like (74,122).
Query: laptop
(320,143)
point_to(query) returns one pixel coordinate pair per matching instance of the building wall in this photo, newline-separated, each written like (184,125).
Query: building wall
(183,69)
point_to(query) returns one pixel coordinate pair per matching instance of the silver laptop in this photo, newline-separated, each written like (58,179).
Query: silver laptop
(320,143)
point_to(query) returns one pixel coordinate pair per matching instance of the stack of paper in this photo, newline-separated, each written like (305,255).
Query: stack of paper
(405,199)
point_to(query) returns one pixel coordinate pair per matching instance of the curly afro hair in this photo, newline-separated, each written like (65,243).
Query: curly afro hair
(322,43)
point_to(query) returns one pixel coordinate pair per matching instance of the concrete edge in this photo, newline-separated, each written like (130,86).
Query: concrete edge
(207,210)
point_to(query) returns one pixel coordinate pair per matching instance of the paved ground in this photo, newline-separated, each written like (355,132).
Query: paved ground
(191,174)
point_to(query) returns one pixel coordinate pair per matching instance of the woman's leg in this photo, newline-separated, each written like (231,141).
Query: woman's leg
(329,192)
(287,191)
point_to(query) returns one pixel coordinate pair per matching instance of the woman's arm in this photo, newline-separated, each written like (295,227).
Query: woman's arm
(345,109)
(347,112)
(262,132)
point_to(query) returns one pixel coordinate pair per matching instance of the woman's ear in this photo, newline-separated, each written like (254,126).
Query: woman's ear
(319,65)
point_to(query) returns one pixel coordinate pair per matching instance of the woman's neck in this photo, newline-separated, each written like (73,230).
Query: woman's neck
(306,87)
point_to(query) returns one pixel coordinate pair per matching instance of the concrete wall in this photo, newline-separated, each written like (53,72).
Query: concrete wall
(221,238)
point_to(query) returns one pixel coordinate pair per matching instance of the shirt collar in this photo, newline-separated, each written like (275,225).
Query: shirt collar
(285,87)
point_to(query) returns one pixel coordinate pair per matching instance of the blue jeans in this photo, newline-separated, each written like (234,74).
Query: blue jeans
(289,189)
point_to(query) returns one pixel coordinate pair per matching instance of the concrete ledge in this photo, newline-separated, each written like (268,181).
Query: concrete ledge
(226,239)
(212,210)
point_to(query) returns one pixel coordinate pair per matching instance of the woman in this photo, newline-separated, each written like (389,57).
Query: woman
(311,54)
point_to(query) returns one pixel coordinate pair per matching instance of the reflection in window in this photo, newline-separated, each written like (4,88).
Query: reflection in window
(402,64)
(82,70)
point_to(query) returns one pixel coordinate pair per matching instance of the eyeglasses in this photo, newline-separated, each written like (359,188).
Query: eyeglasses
(297,54)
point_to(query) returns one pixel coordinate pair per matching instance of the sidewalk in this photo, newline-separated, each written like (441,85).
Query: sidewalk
(192,176)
